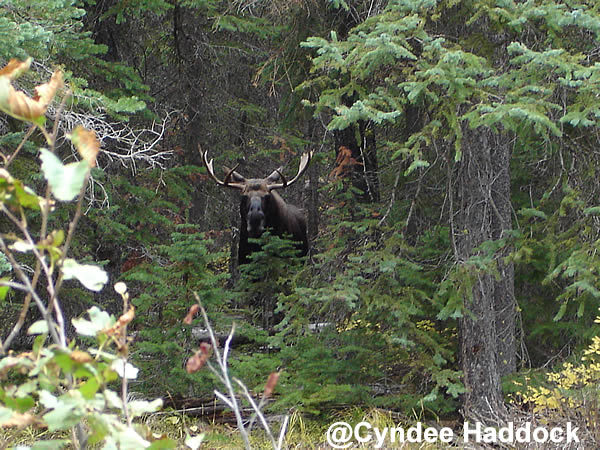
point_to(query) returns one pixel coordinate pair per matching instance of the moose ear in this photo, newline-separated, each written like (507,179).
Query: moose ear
(235,177)
(275,176)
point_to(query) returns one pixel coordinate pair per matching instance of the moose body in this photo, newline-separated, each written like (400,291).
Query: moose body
(262,208)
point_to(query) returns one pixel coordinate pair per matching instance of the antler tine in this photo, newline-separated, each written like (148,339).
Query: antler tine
(211,172)
(304,160)
(283,180)
(226,180)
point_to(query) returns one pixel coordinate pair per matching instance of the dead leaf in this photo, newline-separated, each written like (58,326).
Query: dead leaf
(196,362)
(271,383)
(191,313)
(19,420)
(15,68)
(344,163)
(17,103)
(121,323)
(86,143)
(81,356)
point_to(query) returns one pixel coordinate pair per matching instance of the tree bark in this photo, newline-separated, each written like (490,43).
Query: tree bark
(505,305)
(482,205)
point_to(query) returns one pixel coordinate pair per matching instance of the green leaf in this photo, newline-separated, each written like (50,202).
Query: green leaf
(92,277)
(163,444)
(112,399)
(47,399)
(63,417)
(532,212)
(4,289)
(89,388)
(139,407)
(52,444)
(39,327)
(194,442)
(581,309)
(65,181)
(455,389)
(129,438)
(100,320)
(22,404)
(26,197)
(561,312)
(5,414)
(124,369)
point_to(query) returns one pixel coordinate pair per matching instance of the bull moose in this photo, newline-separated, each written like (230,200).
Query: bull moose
(262,208)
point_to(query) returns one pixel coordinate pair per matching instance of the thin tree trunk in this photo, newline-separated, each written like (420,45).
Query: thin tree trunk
(482,205)
(504,287)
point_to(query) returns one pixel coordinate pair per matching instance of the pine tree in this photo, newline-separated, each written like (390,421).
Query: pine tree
(478,93)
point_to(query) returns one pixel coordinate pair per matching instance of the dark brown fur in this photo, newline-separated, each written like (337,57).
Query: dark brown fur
(262,208)
(280,218)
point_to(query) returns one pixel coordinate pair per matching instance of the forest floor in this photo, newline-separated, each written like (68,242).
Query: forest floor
(302,432)
(307,433)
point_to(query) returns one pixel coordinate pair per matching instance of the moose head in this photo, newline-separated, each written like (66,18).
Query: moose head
(262,208)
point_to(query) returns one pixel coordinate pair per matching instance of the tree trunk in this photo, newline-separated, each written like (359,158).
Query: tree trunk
(505,305)
(482,205)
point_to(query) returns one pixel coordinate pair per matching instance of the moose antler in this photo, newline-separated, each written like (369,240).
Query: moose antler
(211,172)
(304,160)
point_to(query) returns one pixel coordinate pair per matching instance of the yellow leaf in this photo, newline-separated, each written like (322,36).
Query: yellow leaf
(19,420)
(17,103)
(81,357)
(86,143)
(15,68)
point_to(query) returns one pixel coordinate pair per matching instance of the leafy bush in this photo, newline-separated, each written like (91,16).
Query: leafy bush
(567,391)
(61,385)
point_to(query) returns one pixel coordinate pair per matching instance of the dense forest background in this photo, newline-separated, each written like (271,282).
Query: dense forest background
(453,200)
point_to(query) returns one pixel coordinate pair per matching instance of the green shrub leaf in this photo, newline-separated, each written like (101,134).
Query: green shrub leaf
(65,181)
(92,277)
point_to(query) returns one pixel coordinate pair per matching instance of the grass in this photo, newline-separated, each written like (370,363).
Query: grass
(303,433)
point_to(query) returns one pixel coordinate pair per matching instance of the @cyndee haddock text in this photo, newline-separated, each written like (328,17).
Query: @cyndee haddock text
(343,435)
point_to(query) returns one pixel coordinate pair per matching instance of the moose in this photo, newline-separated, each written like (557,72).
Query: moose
(262,208)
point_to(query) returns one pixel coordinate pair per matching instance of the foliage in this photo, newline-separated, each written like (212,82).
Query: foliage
(53,32)
(43,373)
(364,293)
(370,317)
(567,393)
(164,296)
(55,385)
(506,67)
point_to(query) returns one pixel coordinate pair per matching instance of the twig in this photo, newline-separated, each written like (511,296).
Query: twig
(260,415)
(20,146)
(28,288)
(222,362)
(392,199)
(123,343)
(284,426)
(71,231)
(24,310)
(230,399)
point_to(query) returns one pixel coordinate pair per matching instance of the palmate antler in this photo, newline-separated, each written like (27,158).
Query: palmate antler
(304,160)
(211,172)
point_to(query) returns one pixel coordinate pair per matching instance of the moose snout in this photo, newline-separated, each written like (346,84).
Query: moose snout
(256,222)
(256,217)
